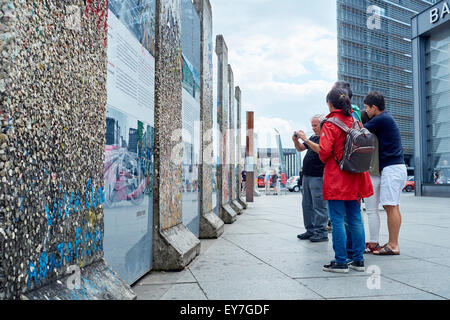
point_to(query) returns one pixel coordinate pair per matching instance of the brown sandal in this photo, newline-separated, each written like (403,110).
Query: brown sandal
(385,251)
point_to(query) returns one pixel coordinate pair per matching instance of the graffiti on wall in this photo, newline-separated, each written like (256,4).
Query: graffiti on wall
(52,105)
(84,243)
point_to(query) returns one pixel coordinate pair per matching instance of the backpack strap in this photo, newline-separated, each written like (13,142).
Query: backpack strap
(339,123)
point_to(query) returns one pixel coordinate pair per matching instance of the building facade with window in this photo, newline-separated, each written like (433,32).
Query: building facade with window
(431,70)
(374,53)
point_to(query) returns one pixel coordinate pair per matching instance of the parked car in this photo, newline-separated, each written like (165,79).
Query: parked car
(261,183)
(409,186)
(293,184)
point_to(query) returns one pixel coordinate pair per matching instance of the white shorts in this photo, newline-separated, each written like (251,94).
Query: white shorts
(393,180)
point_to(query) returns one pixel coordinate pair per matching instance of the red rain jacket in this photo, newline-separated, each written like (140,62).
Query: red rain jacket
(338,184)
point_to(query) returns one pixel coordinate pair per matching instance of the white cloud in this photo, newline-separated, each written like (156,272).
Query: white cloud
(277,61)
(284,59)
(264,128)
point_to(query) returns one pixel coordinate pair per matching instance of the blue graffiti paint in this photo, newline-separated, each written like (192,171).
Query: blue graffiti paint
(92,285)
(83,292)
(78,241)
(97,197)
(70,205)
(60,248)
(66,211)
(49,217)
(43,265)
(59,209)
(74,295)
(52,262)
(32,273)
(77,203)
(48,263)
(69,252)
(100,196)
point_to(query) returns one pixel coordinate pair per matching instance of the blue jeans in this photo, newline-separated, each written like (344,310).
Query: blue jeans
(339,209)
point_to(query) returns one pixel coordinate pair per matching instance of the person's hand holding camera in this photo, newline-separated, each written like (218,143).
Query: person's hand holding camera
(302,135)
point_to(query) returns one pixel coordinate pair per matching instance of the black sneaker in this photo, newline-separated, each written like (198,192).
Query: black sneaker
(304,236)
(334,267)
(357,265)
(316,238)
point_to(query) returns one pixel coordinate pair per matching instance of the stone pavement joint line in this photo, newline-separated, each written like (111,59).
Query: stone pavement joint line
(259,257)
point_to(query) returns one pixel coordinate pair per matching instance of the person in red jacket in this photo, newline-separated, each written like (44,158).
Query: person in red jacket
(342,189)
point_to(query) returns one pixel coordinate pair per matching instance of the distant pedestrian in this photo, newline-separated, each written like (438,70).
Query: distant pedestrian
(342,189)
(274,182)
(372,203)
(444,173)
(392,166)
(244,177)
(315,211)
(267,181)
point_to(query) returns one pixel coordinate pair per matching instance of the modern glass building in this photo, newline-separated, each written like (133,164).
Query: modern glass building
(269,158)
(431,75)
(374,53)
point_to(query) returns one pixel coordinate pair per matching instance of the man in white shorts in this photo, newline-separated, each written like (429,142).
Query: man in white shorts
(392,166)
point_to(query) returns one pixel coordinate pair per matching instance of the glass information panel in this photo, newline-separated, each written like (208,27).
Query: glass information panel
(237,149)
(129,138)
(216,141)
(190,48)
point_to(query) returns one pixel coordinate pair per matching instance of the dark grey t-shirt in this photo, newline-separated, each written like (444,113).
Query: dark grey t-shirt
(312,166)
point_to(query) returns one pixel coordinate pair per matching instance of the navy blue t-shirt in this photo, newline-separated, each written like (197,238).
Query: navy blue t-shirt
(390,143)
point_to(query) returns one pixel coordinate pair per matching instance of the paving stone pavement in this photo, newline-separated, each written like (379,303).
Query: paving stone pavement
(259,257)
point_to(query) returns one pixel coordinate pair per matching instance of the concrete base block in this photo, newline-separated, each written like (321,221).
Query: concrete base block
(242,202)
(174,248)
(227,214)
(236,206)
(256,193)
(94,282)
(211,226)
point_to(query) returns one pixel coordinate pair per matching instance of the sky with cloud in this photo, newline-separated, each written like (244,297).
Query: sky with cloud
(284,59)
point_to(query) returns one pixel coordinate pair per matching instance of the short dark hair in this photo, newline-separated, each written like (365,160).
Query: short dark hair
(364,117)
(339,99)
(375,98)
(344,85)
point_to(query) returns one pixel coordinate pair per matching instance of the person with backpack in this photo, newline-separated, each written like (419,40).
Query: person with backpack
(392,166)
(345,179)
(356,113)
